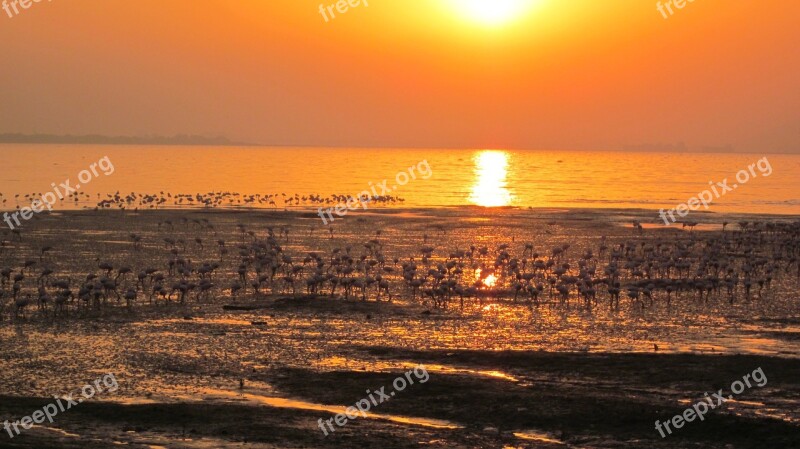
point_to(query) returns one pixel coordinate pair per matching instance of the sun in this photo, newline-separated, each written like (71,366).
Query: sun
(493,12)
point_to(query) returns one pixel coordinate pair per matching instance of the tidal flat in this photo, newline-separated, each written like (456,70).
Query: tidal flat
(539,328)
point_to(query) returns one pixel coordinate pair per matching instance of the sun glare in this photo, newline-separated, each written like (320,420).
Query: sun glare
(493,12)
(490,281)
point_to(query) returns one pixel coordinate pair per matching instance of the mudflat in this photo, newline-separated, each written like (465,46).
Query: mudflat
(538,328)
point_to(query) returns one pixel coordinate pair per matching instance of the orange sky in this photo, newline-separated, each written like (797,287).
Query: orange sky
(566,74)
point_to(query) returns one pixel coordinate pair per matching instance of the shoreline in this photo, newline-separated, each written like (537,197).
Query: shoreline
(455,209)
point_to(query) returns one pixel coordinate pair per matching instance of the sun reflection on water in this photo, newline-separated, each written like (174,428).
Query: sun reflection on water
(491,171)
(489,280)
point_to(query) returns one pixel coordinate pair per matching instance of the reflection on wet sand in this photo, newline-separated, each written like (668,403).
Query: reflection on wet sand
(373,366)
(333,409)
(533,435)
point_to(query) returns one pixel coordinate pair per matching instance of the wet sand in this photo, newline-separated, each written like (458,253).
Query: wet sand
(502,373)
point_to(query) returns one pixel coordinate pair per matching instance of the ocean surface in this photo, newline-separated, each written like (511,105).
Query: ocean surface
(549,179)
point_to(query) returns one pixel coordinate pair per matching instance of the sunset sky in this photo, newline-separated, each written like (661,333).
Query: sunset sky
(557,74)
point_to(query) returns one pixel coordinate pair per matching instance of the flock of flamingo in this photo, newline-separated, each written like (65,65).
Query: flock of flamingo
(733,265)
(136,201)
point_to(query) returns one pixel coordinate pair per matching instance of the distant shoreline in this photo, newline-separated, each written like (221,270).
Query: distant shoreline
(195,140)
(96,139)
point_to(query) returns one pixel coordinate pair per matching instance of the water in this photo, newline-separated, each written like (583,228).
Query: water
(549,179)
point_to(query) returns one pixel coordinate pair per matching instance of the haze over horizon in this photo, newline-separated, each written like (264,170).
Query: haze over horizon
(224,141)
(419,73)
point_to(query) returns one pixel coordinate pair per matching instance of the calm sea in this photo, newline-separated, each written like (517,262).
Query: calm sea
(457,177)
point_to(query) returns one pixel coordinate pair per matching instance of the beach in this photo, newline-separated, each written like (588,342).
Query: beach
(229,366)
